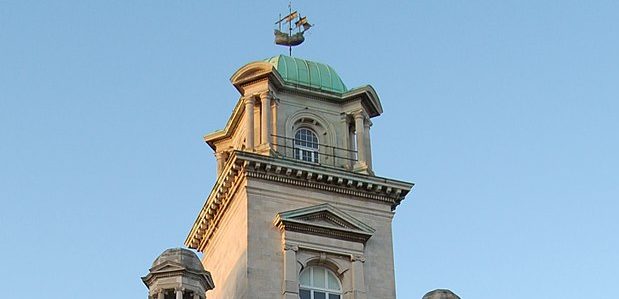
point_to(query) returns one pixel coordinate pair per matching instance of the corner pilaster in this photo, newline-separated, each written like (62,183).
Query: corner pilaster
(358,278)
(291,277)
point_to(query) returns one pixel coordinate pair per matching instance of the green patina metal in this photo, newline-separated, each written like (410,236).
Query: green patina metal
(307,73)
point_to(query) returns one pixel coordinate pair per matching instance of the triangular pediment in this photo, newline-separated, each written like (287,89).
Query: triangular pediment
(325,220)
(167,267)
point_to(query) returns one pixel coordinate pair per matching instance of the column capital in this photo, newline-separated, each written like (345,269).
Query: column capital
(291,246)
(357,258)
(249,99)
(266,94)
(360,114)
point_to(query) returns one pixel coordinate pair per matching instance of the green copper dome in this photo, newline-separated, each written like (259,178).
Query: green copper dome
(307,73)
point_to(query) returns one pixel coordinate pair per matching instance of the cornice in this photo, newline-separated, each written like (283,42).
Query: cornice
(325,231)
(293,172)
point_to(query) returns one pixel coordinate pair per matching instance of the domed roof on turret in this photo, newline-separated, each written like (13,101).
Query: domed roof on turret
(440,294)
(307,73)
(182,256)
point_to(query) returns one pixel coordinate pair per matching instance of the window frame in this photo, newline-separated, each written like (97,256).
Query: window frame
(312,148)
(326,290)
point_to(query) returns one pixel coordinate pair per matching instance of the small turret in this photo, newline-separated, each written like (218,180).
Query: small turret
(178,274)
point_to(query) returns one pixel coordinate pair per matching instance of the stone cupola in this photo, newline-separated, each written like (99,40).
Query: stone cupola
(178,274)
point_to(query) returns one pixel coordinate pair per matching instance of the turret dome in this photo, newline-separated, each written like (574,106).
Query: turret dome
(440,294)
(315,75)
(181,256)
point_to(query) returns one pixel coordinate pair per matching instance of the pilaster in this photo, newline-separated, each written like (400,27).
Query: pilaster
(358,278)
(291,277)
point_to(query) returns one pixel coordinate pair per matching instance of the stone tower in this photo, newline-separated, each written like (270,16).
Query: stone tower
(178,274)
(297,211)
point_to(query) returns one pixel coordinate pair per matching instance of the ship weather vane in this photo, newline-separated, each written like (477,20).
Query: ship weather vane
(296,24)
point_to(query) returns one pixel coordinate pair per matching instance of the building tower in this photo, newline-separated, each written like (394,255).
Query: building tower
(178,274)
(297,211)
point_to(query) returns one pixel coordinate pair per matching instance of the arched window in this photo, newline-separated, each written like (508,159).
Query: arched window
(319,283)
(306,145)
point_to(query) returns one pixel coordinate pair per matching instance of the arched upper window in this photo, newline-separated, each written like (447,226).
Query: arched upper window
(319,283)
(306,145)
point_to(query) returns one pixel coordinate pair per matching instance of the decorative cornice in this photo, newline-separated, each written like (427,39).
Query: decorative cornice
(244,164)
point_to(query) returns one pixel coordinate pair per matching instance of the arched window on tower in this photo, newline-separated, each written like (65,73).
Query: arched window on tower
(306,145)
(319,283)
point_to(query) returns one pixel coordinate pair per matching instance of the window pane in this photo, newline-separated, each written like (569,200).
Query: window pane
(319,295)
(305,278)
(319,277)
(332,282)
(304,294)
(331,296)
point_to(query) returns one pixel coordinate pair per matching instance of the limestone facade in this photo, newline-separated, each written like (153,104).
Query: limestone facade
(281,206)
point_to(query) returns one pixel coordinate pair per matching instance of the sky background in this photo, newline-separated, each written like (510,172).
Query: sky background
(504,114)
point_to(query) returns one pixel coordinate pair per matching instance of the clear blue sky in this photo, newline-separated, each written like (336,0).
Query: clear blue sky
(504,113)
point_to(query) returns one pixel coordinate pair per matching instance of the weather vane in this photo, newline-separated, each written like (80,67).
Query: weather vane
(300,26)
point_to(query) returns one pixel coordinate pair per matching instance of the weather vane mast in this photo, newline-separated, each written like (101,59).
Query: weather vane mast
(300,26)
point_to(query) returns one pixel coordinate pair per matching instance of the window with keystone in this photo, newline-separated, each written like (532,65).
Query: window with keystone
(319,283)
(306,145)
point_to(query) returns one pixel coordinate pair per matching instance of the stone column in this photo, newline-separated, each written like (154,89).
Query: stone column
(249,122)
(265,101)
(358,279)
(274,107)
(360,131)
(343,143)
(351,144)
(161,294)
(179,293)
(220,156)
(195,295)
(291,277)
(368,144)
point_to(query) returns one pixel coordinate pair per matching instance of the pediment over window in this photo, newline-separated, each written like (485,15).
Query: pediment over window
(324,220)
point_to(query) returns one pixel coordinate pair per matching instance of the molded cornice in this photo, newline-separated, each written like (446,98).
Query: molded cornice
(287,171)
